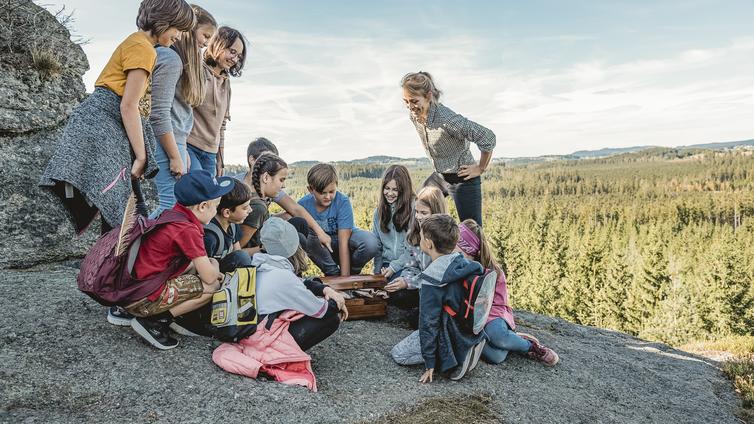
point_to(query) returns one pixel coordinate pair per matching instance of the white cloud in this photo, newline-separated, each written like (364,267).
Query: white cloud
(331,98)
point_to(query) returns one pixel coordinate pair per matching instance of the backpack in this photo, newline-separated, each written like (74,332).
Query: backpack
(221,250)
(108,278)
(478,292)
(232,315)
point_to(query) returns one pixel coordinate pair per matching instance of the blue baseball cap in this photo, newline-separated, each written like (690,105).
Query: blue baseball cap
(199,186)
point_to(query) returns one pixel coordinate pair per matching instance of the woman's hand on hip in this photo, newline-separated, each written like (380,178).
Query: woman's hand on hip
(470,171)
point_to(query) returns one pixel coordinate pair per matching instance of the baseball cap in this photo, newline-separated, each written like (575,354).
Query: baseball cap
(279,237)
(199,186)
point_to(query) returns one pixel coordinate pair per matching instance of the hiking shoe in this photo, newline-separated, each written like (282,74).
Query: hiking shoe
(183,331)
(477,351)
(155,332)
(118,316)
(471,357)
(543,354)
(529,337)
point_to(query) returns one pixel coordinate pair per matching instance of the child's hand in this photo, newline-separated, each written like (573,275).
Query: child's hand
(137,169)
(343,313)
(397,284)
(427,376)
(336,296)
(325,241)
(176,167)
(387,272)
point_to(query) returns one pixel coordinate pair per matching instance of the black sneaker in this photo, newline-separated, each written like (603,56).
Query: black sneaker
(155,332)
(118,316)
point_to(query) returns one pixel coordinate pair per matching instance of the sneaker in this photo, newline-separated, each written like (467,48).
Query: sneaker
(183,331)
(543,354)
(471,357)
(477,350)
(118,316)
(529,337)
(155,332)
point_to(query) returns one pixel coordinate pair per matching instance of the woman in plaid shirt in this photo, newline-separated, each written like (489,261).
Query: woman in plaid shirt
(445,136)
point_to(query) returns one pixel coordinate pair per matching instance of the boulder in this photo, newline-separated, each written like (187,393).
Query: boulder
(40,84)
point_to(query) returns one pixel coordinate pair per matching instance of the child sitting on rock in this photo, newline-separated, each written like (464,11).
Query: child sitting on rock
(197,277)
(351,247)
(440,343)
(500,327)
(222,234)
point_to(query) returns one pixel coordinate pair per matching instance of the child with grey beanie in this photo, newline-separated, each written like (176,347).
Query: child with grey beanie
(280,288)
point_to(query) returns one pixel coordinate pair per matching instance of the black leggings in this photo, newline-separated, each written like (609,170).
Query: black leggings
(309,331)
(141,207)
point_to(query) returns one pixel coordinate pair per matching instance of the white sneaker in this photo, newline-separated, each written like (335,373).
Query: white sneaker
(472,358)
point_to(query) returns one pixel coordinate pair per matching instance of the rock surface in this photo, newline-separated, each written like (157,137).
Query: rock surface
(34,106)
(60,361)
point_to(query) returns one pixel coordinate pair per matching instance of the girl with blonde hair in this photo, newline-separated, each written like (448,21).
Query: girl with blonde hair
(178,86)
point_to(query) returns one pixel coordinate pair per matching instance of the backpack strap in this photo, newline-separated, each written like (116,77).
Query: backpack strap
(215,229)
(166,217)
(450,311)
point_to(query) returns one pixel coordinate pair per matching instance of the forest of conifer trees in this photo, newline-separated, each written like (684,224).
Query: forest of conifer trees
(656,244)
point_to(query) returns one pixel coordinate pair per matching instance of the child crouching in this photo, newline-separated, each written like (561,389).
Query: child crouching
(440,343)
(197,194)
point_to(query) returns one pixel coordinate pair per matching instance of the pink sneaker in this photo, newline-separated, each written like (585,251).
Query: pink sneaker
(543,354)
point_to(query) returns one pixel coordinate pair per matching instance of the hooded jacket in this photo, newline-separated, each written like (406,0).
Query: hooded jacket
(444,345)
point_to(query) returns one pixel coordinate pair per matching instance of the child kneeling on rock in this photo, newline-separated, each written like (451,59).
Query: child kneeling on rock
(191,286)
(440,343)
(500,327)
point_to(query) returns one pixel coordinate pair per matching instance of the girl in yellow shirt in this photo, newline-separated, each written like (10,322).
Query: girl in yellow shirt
(107,146)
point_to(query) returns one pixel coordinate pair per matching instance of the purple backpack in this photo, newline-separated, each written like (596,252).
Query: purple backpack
(109,279)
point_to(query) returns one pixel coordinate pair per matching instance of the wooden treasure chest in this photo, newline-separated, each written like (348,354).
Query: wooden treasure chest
(361,307)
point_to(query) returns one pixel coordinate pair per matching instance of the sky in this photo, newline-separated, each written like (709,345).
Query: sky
(548,77)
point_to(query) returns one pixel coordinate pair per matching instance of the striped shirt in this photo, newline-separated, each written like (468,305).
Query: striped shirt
(446,138)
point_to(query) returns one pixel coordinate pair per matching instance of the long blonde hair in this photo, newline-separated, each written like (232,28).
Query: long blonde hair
(192,79)
(300,261)
(432,198)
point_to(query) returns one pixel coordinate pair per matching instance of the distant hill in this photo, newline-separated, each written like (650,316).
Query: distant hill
(524,160)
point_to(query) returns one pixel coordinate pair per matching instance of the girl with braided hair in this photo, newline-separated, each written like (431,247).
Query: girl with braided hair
(267,180)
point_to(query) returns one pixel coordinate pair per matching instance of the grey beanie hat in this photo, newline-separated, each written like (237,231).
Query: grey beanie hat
(279,238)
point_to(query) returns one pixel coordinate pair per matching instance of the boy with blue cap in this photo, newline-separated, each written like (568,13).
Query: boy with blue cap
(197,194)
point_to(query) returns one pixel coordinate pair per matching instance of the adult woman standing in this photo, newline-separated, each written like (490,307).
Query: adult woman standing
(445,136)
(225,57)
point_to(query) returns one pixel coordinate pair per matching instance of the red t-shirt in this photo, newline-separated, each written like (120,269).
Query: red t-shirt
(168,242)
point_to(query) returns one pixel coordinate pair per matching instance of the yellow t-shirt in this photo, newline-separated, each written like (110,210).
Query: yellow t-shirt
(135,52)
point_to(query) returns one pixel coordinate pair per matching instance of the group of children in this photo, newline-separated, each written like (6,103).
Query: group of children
(159,111)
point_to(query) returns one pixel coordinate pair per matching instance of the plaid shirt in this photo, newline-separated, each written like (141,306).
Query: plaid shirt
(446,138)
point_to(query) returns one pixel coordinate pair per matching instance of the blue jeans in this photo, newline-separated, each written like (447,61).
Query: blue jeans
(501,340)
(202,160)
(467,195)
(468,199)
(164,180)
(363,246)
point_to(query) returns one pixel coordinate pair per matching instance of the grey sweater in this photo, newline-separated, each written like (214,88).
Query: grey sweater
(170,112)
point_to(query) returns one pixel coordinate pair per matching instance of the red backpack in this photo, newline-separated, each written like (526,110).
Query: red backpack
(109,279)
